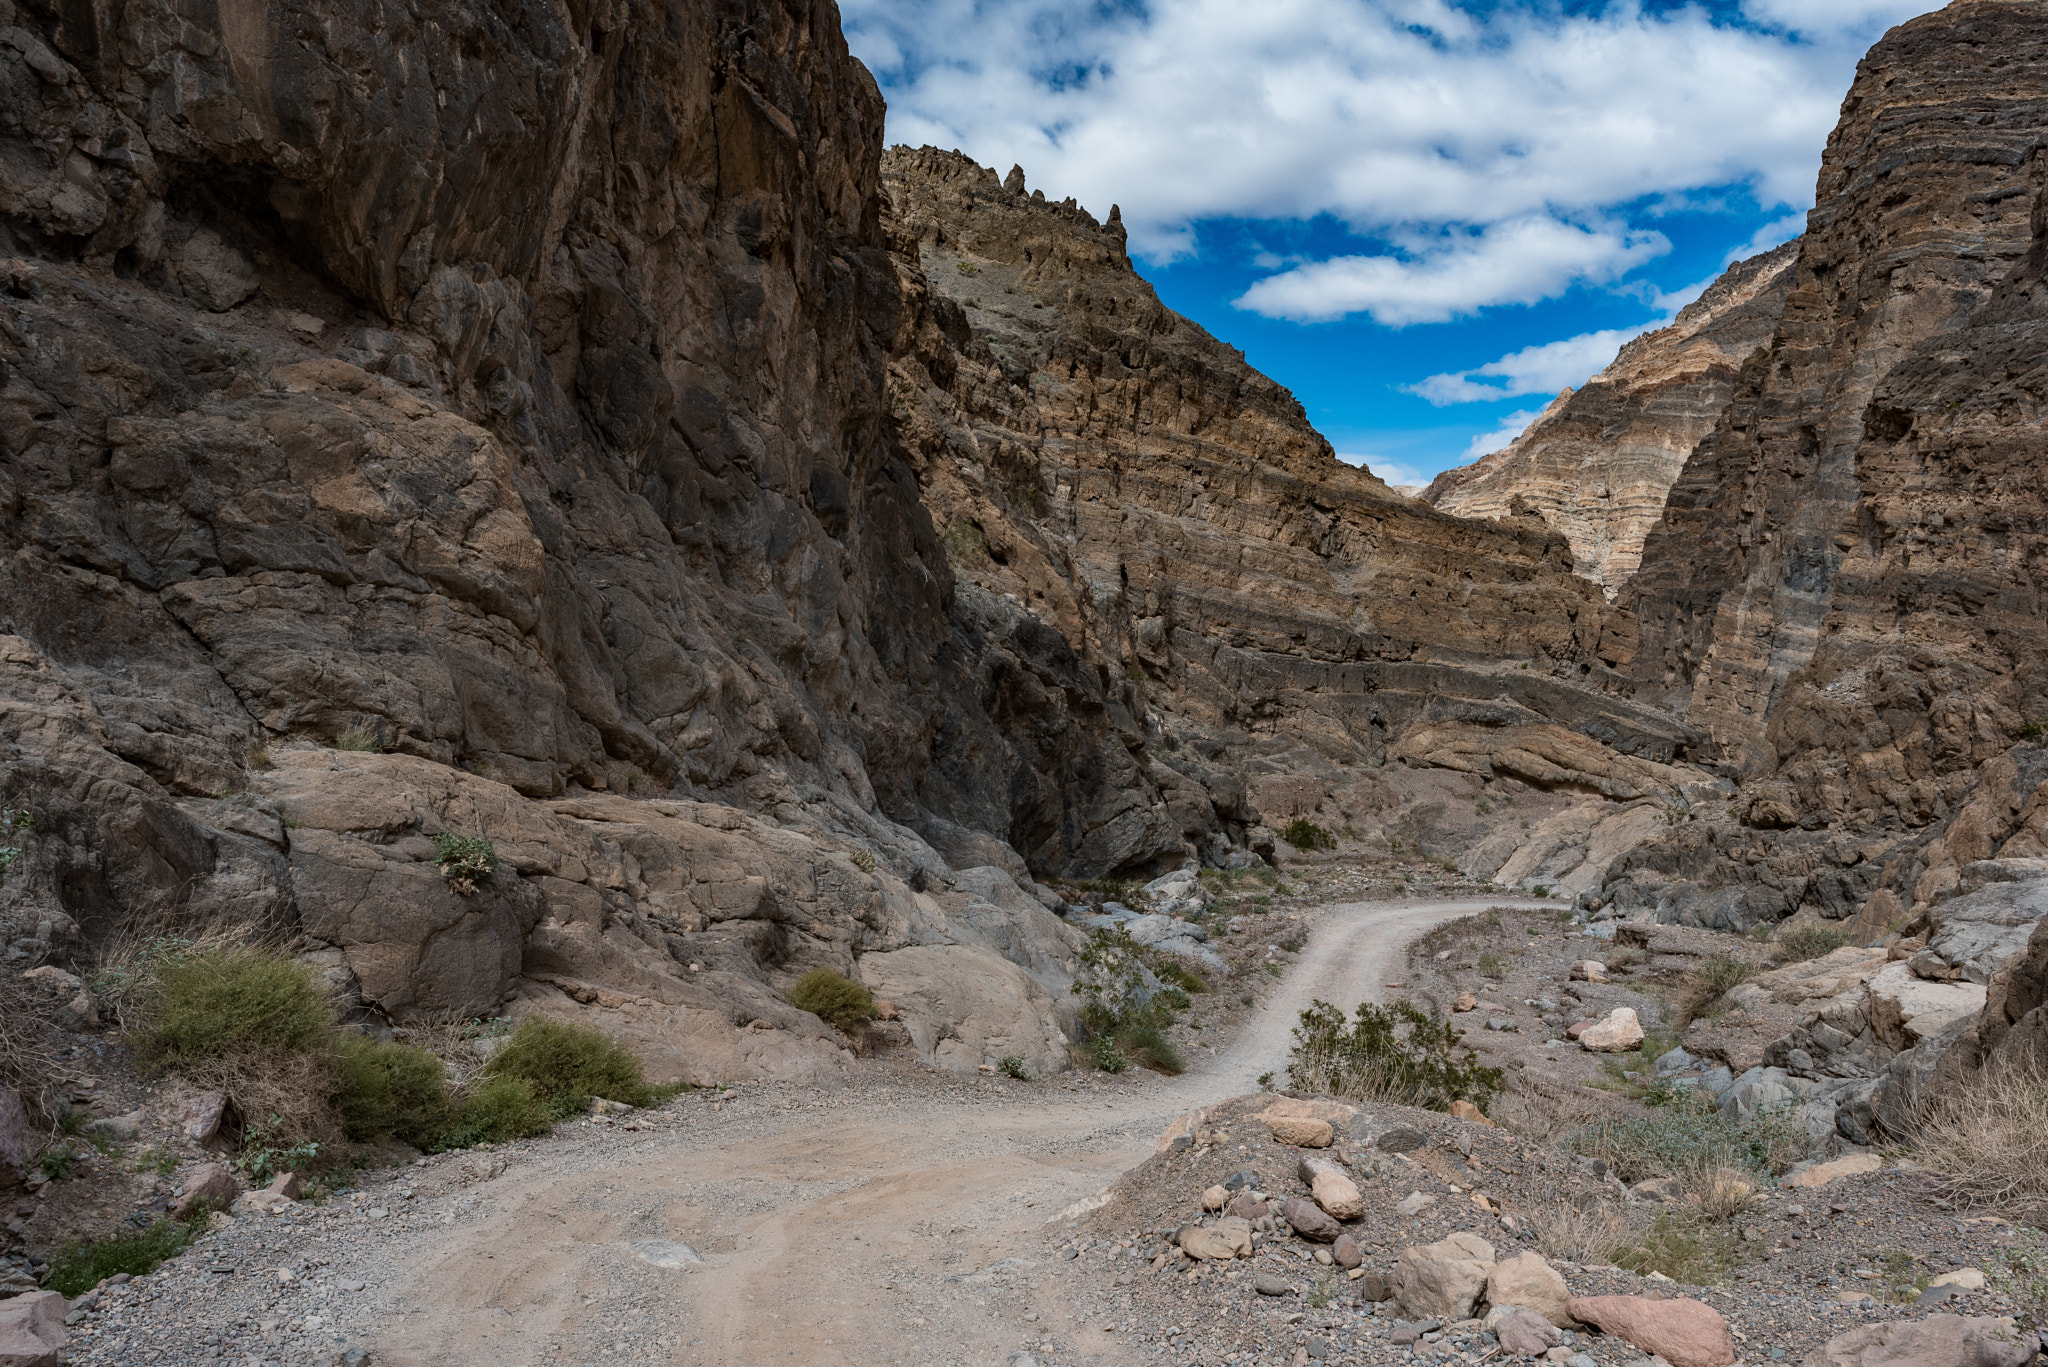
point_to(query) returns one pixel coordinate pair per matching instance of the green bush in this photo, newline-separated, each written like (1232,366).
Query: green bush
(210,1004)
(1147,1044)
(1304,834)
(568,1064)
(1012,1065)
(1393,1053)
(1104,1054)
(1806,941)
(465,860)
(1687,1135)
(386,1090)
(499,1108)
(1180,975)
(833,998)
(1707,984)
(79,1267)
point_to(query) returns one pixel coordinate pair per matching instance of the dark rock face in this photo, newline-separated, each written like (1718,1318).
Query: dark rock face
(1846,593)
(1598,463)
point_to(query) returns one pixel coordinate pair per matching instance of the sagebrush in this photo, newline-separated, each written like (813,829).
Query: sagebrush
(1988,1139)
(1687,1135)
(834,998)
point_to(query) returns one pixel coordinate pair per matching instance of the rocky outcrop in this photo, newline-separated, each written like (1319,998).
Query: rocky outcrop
(1597,463)
(1843,594)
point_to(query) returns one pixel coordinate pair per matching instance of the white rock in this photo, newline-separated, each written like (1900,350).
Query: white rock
(1618,1032)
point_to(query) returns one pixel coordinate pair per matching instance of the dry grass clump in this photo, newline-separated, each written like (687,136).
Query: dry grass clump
(1989,1139)
(1546,1112)
(1717,1191)
(28,1051)
(1585,1231)
(1707,984)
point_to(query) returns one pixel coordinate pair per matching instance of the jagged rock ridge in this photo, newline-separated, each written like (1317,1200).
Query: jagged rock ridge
(1597,463)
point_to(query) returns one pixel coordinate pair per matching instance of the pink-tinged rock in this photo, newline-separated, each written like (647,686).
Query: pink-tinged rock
(32,1330)
(1937,1341)
(287,1185)
(1682,1331)
(211,1184)
(199,1116)
(1309,1221)
(1617,1033)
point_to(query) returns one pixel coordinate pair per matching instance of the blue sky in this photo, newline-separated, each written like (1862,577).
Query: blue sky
(1423,217)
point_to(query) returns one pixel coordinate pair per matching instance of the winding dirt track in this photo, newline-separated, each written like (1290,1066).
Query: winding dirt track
(833,1228)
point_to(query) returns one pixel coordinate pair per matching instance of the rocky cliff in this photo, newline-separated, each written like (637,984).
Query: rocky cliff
(1598,462)
(1846,590)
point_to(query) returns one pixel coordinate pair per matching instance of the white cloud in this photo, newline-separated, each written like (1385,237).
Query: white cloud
(1544,369)
(1458,273)
(1387,114)
(1512,426)
(1776,233)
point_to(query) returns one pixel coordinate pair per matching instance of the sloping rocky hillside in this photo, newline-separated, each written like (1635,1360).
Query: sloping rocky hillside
(1598,462)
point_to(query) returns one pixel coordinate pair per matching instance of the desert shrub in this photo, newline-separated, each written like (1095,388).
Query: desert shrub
(360,738)
(1180,975)
(1393,1053)
(1146,1044)
(1796,944)
(1546,1112)
(464,860)
(268,1150)
(1681,1248)
(2035,730)
(79,1267)
(864,860)
(1493,965)
(498,1109)
(1012,1066)
(1104,1054)
(1688,1135)
(28,1050)
(569,1064)
(1716,1191)
(1304,834)
(213,1003)
(386,1090)
(833,998)
(1580,1231)
(1707,984)
(1988,1139)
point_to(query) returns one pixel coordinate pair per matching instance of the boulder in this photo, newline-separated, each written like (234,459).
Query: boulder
(1616,1033)
(1346,1252)
(1820,1174)
(1226,1239)
(1465,1110)
(1465,1002)
(1214,1198)
(1308,1220)
(1305,1131)
(1937,1341)
(210,1184)
(1444,1279)
(1247,1207)
(200,1114)
(1682,1331)
(1401,1139)
(1373,1288)
(1526,1280)
(1337,1194)
(32,1330)
(1522,1332)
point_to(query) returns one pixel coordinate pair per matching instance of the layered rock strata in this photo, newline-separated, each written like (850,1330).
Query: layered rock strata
(1598,462)
(1846,592)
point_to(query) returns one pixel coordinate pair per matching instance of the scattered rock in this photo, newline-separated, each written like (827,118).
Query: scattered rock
(666,1253)
(199,1115)
(1445,1278)
(1346,1252)
(32,1330)
(1309,1221)
(1820,1174)
(1337,1194)
(1522,1331)
(1465,1110)
(1373,1288)
(1415,1202)
(1589,971)
(1682,1331)
(1266,1284)
(1215,1198)
(1465,1002)
(1401,1139)
(285,1184)
(1247,1207)
(1226,1239)
(1937,1341)
(885,1010)
(211,1184)
(1304,1131)
(1617,1033)
(1527,1280)
(1963,1279)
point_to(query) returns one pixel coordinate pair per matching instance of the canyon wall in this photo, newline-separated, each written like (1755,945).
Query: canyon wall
(1597,463)
(1846,591)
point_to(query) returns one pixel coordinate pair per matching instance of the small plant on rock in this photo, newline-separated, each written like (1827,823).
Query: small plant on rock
(265,1153)
(1013,1066)
(361,738)
(1798,943)
(835,999)
(12,819)
(862,860)
(1493,965)
(464,860)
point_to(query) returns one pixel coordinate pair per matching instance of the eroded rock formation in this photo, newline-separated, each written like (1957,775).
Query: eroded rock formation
(1598,462)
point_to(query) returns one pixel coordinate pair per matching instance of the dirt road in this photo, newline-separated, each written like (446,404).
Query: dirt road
(863,1226)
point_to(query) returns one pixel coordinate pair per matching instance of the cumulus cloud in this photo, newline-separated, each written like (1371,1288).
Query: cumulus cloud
(1394,472)
(1544,369)
(1518,262)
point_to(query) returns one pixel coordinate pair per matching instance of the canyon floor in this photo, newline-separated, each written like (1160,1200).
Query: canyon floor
(922,1219)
